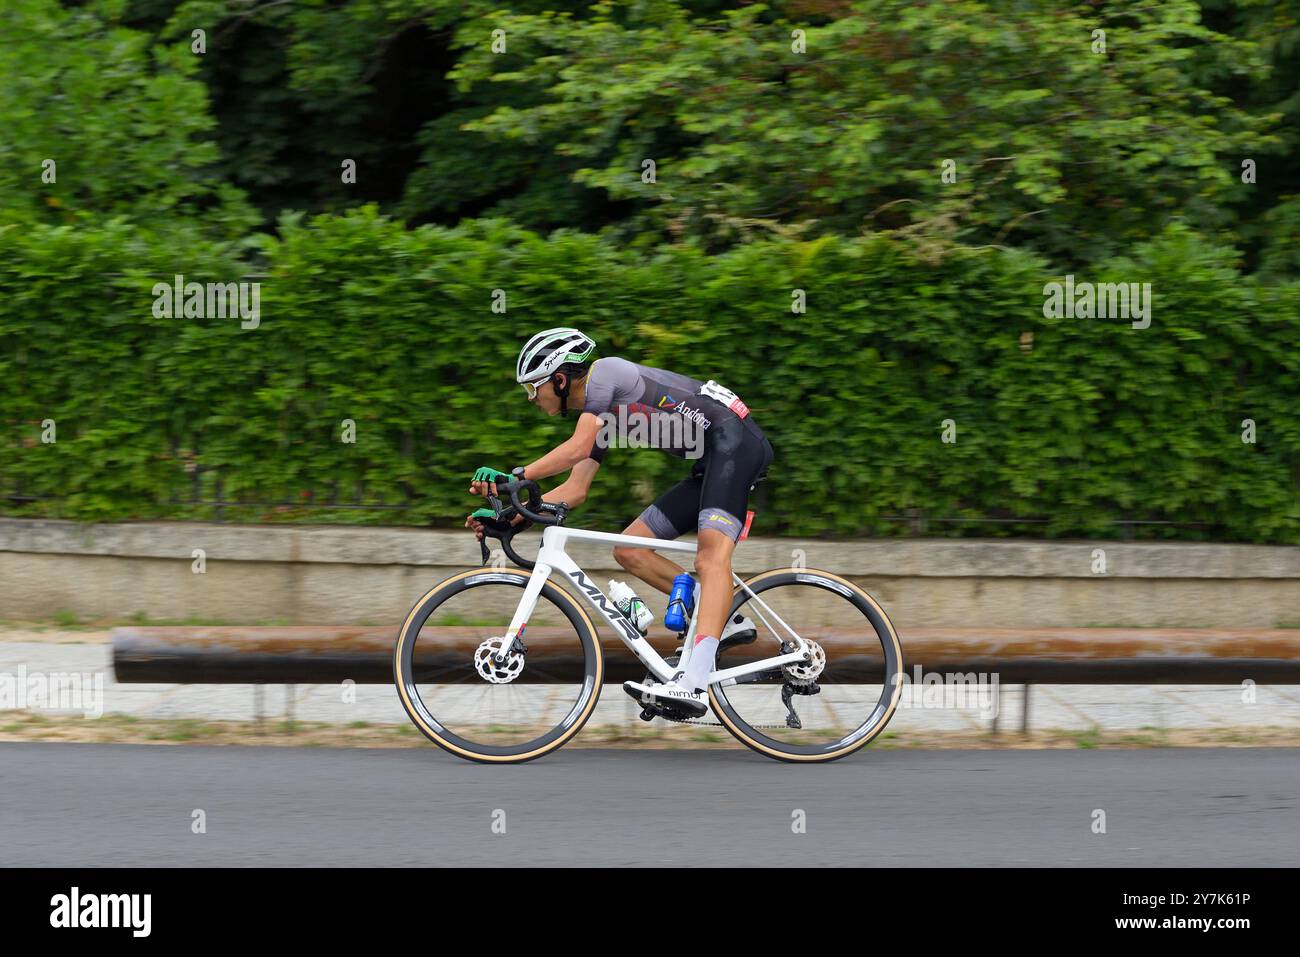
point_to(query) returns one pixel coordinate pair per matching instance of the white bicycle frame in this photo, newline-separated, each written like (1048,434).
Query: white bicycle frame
(553,557)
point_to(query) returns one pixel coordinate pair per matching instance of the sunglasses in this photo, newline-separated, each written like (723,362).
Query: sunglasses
(532,387)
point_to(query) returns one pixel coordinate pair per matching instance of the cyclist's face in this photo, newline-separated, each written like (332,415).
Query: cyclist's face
(544,397)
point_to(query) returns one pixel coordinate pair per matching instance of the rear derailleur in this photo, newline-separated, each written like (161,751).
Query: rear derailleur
(801,679)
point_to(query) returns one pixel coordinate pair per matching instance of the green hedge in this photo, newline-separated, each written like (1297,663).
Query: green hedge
(364,319)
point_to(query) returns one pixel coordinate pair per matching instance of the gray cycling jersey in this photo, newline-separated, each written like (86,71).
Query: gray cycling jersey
(636,404)
(641,406)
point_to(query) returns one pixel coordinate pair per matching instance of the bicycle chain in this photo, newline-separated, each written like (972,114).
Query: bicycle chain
(719,724)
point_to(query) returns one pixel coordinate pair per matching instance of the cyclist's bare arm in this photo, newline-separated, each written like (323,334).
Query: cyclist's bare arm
(573,490)
(569,453)
(575,449)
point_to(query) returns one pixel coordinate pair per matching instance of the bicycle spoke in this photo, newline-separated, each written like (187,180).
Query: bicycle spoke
(811,710)
(478,705)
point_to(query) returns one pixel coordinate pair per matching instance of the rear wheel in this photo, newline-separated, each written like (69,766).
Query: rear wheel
(465,697)
(824,709)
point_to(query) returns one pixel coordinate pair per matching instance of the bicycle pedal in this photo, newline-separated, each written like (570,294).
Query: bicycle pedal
(651,711)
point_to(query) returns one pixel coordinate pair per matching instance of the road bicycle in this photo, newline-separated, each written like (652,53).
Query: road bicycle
(495,676)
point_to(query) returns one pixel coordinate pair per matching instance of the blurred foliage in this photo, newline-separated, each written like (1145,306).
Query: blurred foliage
(852,134)
(776,170)
(1072,153)
(125,121)
(367,320)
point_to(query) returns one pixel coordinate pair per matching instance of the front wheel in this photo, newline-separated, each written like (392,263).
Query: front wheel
(824,709)
(484,698)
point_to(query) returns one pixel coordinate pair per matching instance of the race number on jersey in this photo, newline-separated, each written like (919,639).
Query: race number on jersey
(726,397)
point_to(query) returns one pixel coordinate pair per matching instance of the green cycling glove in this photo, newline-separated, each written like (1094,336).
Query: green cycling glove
(488,474)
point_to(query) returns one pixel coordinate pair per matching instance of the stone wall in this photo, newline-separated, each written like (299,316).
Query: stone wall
(339,575)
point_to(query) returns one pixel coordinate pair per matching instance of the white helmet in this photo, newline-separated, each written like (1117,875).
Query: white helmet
(545,352)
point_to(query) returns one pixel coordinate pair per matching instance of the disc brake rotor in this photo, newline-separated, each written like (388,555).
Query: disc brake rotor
(492,671)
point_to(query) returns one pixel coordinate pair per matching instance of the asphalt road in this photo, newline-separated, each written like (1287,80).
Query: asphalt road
(124,805)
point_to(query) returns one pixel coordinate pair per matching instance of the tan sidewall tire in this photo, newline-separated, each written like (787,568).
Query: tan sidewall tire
(561,598)
(749,742)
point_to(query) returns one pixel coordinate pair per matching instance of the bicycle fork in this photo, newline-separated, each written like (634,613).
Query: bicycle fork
(524,611)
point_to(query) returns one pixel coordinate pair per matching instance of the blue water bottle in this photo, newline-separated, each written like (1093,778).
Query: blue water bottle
(681,601)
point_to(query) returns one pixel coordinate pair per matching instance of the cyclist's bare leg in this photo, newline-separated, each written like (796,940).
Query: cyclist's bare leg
(652,568)
(713,565)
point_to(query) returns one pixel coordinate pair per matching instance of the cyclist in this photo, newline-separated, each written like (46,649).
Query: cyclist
(620,400)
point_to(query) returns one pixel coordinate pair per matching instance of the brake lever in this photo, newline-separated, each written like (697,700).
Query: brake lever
(503,528)
(497,509)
